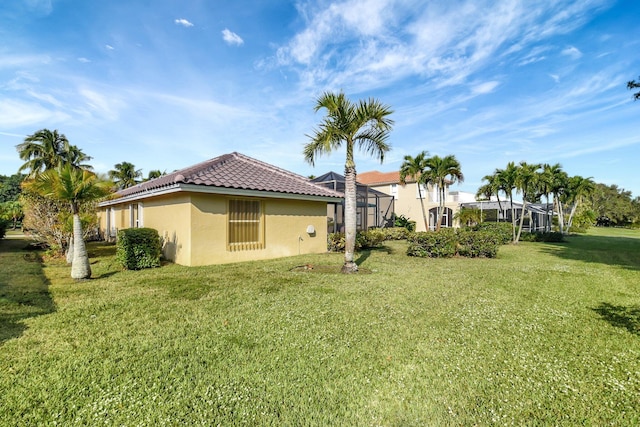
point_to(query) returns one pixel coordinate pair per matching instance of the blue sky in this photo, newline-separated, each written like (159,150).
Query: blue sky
(165,84)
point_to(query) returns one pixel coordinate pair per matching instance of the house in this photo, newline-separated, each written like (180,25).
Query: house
(374,208)
(536,215)
(227,209)
(407,199)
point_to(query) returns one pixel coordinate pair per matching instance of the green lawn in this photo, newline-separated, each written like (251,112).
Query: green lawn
(546,334)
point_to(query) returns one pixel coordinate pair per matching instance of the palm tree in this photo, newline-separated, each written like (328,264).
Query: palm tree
(492,187)
(74,186)
(157,173)
(46,150)
(546,183)
(125,175)
(441,172)
(507,183)
(578,189)
(365,124)
(527,183)
(414,167)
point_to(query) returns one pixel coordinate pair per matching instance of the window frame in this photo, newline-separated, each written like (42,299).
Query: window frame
(248,216)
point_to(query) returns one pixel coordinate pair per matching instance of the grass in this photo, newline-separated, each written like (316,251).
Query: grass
(546,334)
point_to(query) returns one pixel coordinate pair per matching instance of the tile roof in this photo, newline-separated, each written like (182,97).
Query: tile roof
(376,178)
(235,171)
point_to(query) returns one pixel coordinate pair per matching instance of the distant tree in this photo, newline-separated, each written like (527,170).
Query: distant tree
(74,187)
(155,174)
(578,190)
(506,182)
(414,168)
(46,150)
(365,124)
(11,211)
(10,187)
(634,85)
(614,203)
(490,189)
(125,175)
(469,216)
(528,185)
(441,172)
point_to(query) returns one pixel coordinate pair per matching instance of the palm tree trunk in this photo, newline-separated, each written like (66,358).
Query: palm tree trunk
(524,205)
(80,267)
(440,208)
(424,215)
(70,251)
(560,216)
(350,218)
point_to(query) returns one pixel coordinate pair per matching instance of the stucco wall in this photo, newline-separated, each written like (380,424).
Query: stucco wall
(194,227)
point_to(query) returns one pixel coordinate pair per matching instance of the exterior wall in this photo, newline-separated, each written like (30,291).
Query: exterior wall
(407,202)
(194,227)
(285,230)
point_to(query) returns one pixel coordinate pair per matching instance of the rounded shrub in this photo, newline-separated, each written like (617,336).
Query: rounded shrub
(138,248)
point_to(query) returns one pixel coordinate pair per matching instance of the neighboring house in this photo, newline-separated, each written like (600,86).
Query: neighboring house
(407,199)
(227,209)
(374,208)
(536,215)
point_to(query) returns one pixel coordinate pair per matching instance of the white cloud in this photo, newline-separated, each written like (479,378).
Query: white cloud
(484,88)
(183,22)
(84,60)
(15,114)
(109,47)
(572,52)
(231,38)
(555,77)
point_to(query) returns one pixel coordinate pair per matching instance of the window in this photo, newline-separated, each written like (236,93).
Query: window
(135,215)
(394,191)
(421,189)
(246,225)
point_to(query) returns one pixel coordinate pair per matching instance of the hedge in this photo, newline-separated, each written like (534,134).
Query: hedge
(449,242)
(138,248)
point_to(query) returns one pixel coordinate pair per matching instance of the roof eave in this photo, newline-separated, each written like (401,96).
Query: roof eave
(192,188)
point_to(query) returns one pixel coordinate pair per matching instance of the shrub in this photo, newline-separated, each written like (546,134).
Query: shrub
(138,248)
(395,233)
(449,242)
(404,222)
(502,230)
(478,244)
(433,244)
(551,237)
(364,240)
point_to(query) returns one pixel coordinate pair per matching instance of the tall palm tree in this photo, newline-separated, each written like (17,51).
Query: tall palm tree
(365,124)
(527,183)
(440,172)
(578,189)
(414,167)
(46,150)
(491,188)
(125,175)
(547,178)
(507,184)
(74,186)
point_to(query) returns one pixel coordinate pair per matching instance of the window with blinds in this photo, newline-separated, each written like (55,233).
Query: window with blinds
(246,229)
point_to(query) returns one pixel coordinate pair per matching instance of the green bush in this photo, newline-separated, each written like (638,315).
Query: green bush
(138,248)
(395,233)
(552,237)
(478,244)
(449,242)
(404,222)
(502,230)
(364,240)
(433,244)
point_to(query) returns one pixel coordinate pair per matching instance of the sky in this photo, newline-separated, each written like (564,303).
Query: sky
(165,84)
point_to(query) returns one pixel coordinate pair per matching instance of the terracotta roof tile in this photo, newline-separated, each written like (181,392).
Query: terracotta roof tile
(237,171)
(375,178)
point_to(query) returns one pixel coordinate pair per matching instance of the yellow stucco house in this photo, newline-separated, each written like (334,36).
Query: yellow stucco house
(228,209)
(407,200)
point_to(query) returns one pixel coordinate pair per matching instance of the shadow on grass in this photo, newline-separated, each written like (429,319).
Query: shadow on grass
(616,251)
(621,316)
(24,289)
